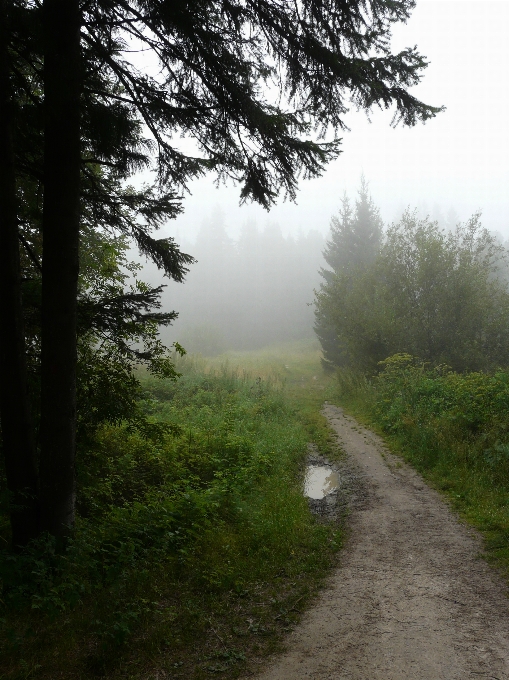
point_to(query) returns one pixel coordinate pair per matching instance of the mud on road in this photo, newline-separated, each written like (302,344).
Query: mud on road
(412,599)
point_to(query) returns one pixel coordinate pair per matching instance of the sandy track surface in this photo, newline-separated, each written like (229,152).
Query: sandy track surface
(411,599)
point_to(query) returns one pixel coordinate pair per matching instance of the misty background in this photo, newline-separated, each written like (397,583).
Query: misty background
(256,271)
(243,293)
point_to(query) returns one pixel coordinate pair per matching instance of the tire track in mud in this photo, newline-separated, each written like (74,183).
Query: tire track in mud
(411,598)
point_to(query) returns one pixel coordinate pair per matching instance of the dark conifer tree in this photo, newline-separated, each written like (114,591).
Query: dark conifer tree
(214,86)
(73,171)
(61,224)
(355,240)
(15,412)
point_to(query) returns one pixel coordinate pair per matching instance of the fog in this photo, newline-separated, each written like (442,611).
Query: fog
(244,293)
(449,168)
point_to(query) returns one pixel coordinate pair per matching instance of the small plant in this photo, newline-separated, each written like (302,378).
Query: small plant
(226,659)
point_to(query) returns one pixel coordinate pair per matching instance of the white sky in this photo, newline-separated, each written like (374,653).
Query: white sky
(459,160)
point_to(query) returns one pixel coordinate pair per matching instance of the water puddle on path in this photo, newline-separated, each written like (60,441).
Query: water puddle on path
(320,481)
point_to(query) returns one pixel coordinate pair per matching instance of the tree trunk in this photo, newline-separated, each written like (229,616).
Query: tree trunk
(15,411)
(62,86)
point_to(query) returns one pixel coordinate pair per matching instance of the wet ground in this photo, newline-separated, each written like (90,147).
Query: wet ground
(412,599)
(320,481)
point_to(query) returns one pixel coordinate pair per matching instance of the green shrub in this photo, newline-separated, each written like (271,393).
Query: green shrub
(210,451)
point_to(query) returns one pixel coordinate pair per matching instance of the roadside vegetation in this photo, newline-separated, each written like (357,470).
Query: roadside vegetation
(194,549)
(436,293)
(452,427)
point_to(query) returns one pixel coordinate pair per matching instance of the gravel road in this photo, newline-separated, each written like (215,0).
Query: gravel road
(411,598)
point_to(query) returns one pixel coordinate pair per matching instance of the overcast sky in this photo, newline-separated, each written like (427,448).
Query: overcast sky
(459,160)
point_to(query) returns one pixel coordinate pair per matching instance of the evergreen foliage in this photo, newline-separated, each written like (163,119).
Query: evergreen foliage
(355,239)
(433,294)
(251,84)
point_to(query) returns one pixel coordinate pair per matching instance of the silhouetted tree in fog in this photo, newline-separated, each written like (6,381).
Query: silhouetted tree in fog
(355,240)
(218,65)
(434,294)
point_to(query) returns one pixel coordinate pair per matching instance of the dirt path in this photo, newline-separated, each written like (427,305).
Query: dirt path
(411,599)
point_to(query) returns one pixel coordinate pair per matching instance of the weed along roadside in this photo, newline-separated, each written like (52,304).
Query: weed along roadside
(452,428)
(412,597)
(195,552)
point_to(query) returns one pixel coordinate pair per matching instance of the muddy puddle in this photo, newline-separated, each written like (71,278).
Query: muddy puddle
(320,481)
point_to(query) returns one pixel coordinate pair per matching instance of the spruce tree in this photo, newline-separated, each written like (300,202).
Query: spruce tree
(15,412)
(355,240)
(219,64)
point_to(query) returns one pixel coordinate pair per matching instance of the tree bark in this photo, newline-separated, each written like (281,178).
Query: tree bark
(62,87)
(15,411)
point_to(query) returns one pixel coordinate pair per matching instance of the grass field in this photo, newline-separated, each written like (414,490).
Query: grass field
(296,367)
(195,552)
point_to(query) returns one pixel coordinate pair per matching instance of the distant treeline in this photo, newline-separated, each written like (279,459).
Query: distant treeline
(245,293)
(436,290)
(440,294)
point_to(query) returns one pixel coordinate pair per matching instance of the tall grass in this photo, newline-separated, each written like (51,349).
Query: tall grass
(193,544)
(452,427)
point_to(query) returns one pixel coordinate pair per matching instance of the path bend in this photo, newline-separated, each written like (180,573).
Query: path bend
(411,599)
